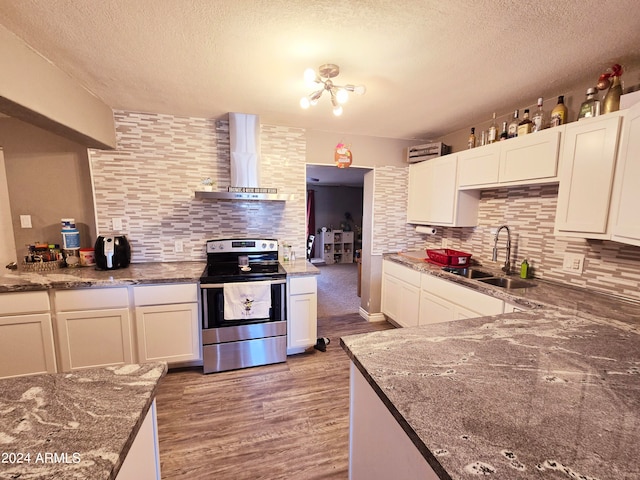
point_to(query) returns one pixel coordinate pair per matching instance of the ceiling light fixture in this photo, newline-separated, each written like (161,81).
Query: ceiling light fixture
(322,81)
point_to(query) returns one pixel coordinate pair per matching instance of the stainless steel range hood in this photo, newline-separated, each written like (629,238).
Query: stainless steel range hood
(244,142)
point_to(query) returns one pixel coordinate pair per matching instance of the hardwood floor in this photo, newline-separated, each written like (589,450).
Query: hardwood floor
(283,421)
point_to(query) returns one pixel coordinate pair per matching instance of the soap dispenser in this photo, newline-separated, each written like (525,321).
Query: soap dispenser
(524,269)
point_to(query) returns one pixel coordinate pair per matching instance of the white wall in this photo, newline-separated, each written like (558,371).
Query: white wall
(7,245)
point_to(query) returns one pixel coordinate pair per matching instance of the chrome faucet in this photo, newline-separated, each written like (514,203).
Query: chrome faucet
(507,261)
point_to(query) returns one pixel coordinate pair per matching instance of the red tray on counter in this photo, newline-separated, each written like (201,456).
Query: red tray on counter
(449,258)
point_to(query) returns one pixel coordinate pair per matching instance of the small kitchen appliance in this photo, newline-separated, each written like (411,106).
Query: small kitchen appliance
(112,252)
(244,307)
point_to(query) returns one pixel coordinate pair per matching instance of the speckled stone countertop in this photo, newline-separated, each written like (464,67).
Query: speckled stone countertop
(82,277)
(134,274)
(89,418)
(299,268)
(530,395)
(540,294)
(550,393)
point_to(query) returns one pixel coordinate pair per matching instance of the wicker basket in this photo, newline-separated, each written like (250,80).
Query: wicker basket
(449,258)
(42,266)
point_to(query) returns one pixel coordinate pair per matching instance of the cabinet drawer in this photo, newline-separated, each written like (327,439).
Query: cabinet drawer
(465,297)
(24,302)
(91,299)
(165,294)
(302,285)
(405,274)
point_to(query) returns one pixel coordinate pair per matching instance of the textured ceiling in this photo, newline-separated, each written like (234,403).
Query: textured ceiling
(430,66)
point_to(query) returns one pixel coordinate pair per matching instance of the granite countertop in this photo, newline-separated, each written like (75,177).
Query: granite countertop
(543,394)
(134,274)
(542,293)
(300,267)
(82,277)
(88,417)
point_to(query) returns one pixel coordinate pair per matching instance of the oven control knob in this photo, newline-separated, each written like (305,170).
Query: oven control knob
(220,246)
(264,245)
(271,246)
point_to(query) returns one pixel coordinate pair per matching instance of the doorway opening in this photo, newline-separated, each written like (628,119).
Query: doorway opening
(335,200)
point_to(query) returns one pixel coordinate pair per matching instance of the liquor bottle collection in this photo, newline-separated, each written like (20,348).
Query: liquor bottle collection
(591,107)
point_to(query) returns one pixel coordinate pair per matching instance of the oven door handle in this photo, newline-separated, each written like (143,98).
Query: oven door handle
(221,285)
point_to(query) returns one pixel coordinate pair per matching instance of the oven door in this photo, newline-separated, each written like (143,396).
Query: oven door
(213,306)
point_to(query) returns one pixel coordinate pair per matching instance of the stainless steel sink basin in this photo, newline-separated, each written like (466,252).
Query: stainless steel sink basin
(506,282)
(468,272)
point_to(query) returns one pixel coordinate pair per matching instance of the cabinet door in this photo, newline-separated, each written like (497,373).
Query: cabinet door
(418,203)
(391,296)
(94,338)
(302,320)
(410,306)
(479,166)
(434,309)
(626,216)
(168,333)
(532,158)
(433,191)
(586,177)
(26,345)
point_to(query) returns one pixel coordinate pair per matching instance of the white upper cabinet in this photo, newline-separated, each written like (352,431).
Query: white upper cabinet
(479,166)
(525,160)
(434,198)
(586,177)
(625,215)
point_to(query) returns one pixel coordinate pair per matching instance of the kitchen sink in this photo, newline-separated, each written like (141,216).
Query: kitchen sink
(506,282)
(468,272)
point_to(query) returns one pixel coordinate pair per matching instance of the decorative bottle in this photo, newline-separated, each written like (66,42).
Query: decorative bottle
(611,102)
(559,113)
(539,120)
(524,127)
(512,131)
(591,106)
(472,138)
(493,130)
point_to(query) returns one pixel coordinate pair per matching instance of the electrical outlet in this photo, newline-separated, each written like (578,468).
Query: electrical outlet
(573,263)
(25,221)
(444,243)
(178,246)
(116,223)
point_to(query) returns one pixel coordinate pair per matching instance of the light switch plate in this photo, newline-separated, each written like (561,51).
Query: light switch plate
(25,221)
(573,263)
(178,246)
(116,223)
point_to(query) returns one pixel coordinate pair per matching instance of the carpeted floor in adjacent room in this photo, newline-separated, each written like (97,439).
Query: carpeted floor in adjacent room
(337,290)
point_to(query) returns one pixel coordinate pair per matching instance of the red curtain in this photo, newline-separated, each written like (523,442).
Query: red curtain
(311,215)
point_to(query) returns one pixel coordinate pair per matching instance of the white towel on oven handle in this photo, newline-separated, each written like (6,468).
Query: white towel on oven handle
(246,300)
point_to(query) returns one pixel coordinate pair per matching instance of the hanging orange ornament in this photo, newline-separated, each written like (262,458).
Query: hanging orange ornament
(342,156)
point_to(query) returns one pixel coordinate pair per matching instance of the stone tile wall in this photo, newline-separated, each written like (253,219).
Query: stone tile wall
(150,179)
(529,212)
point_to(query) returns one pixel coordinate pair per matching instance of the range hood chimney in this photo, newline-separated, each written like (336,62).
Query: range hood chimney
(244,143)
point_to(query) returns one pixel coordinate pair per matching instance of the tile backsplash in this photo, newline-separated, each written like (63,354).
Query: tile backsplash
(150,179)
(609,267)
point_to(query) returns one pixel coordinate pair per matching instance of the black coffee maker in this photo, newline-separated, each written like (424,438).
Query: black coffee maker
(112,252)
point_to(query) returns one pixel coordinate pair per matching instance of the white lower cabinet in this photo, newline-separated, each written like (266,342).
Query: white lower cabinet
(26,335)
(302,313)
(143,460)
(400,293)
(378,446)
(444,301)
(93,327)
(167,323)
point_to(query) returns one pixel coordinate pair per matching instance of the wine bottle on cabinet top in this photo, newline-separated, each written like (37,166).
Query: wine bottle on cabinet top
(524,127)
(559,113)
(472,138)
(493,130)
(539,120)
(512,131)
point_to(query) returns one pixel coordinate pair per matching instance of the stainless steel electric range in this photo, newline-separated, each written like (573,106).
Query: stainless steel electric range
(244,307)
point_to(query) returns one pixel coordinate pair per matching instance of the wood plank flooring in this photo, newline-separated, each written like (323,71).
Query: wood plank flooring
(283,421)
